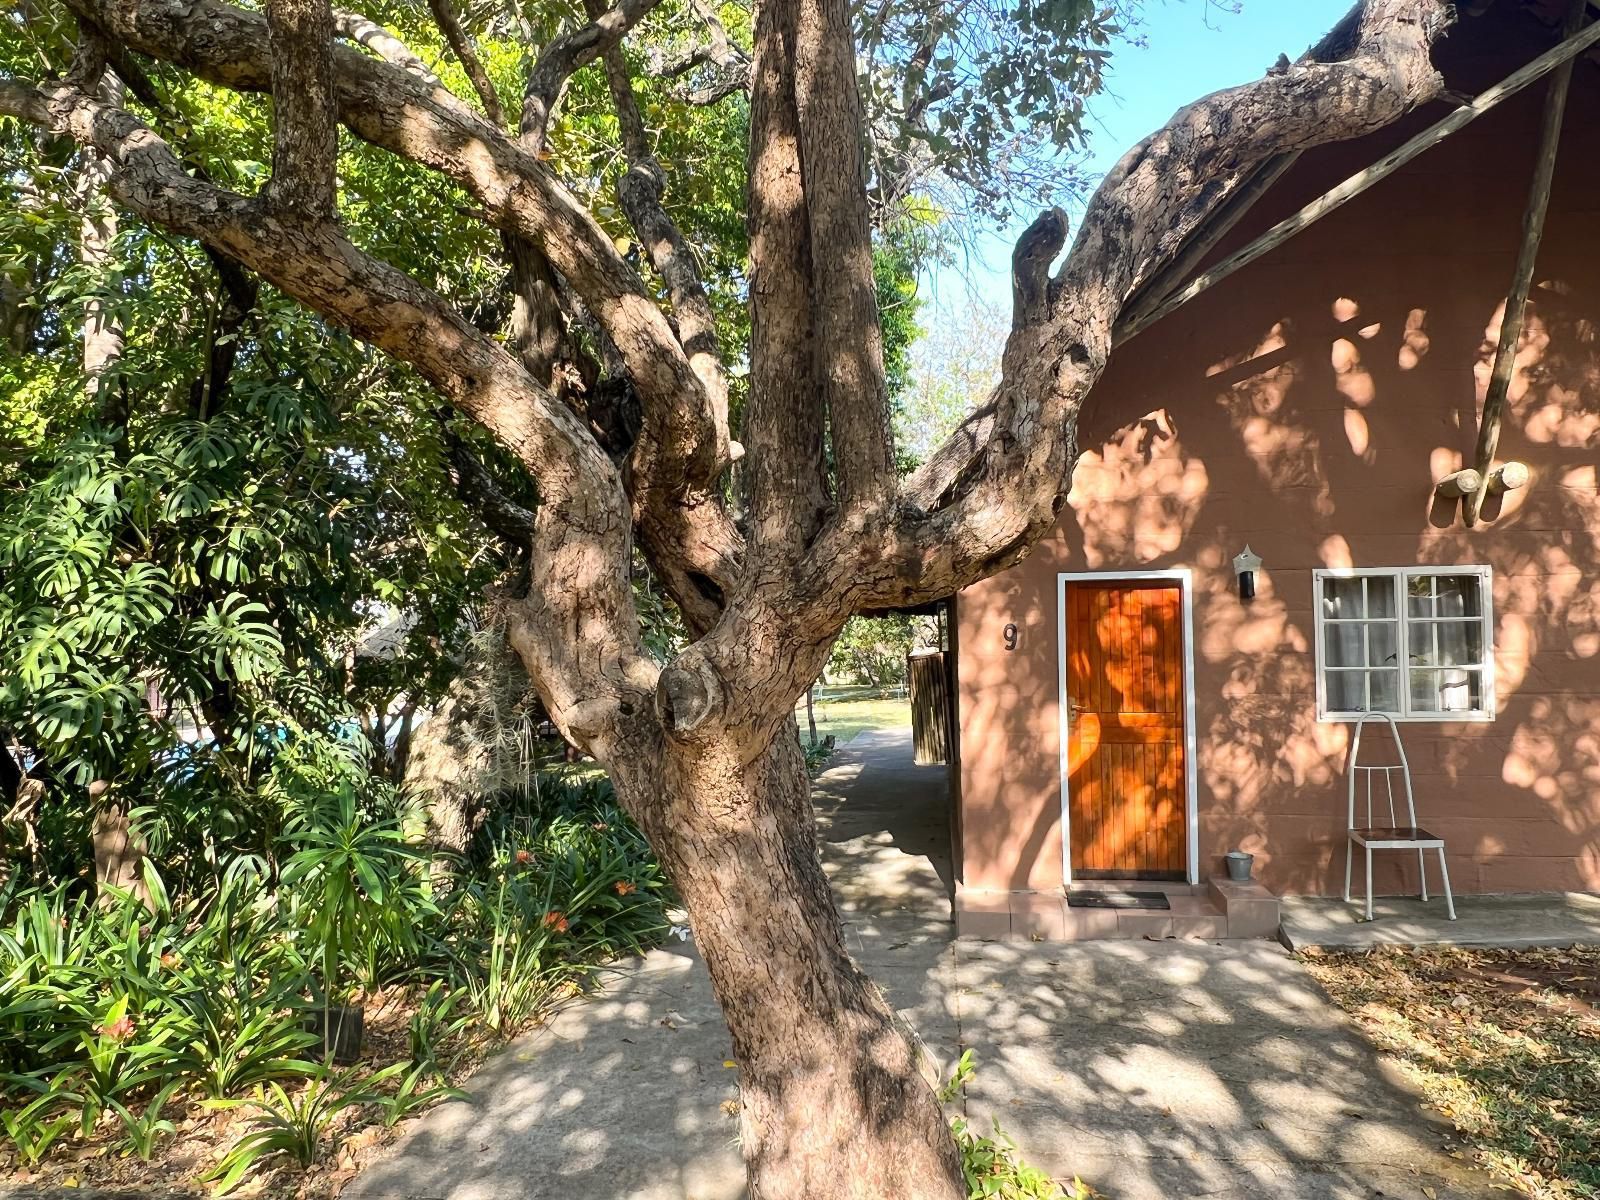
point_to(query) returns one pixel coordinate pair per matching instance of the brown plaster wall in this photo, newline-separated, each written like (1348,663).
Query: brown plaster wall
(1306,406)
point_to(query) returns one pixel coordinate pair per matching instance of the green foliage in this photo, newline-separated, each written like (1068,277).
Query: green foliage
(872,650)
(145,1129)
(122,1007)
(980,106)
(34,1128)
(354,889)
(291,1124)
(566,879)
(990,1165)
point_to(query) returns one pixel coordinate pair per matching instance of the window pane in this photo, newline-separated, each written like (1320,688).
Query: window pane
(1452,690)
(1419,596)
(1460,643)
(1347,691)
(1380,596)
(1344,644)
(1421,635)
(1341,598)
(1457,596)
(1363,691)
(1383,643)
(1385,687)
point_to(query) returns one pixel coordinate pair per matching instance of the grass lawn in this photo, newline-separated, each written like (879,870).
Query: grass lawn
(847,711)
(1505,1044)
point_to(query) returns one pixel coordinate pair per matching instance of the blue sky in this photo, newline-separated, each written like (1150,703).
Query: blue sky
(1193,48)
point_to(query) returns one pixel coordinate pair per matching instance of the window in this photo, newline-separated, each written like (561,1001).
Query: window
(1415,642)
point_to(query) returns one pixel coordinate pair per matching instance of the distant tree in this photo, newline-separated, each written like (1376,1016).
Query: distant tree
(615,391)
(952,369)
(872,650)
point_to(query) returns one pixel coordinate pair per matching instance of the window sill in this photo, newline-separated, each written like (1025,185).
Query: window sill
(1473,718)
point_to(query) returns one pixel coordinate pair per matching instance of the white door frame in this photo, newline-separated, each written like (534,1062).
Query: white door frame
(1185,579)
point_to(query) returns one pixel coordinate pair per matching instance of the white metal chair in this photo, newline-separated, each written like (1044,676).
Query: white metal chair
(1392,836)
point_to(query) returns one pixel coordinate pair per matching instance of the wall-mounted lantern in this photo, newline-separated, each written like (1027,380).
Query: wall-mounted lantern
(1245,565)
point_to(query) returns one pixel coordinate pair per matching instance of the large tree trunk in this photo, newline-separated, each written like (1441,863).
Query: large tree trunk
(836,1102)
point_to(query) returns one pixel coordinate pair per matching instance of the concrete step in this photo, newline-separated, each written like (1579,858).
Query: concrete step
(1213,911)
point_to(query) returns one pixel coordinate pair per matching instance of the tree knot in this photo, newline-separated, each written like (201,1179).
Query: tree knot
(689,693)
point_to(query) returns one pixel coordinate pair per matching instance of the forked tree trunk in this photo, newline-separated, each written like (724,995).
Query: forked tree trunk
(835,1102)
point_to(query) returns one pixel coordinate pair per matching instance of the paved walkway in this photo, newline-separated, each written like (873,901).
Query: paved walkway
(884,823)
(1553,919)
(1155,1070)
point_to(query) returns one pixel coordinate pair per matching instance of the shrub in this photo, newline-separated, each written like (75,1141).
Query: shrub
(114,1008)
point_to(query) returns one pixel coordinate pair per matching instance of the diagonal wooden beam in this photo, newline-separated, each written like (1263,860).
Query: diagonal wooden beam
(1558,55)
(1204,241)
(1511,322)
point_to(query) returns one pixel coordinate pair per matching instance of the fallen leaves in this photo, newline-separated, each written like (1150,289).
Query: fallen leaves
(1505,1044)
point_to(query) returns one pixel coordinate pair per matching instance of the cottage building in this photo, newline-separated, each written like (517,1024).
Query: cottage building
(1127,710)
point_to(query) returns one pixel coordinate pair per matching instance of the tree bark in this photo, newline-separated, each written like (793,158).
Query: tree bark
(836,1100)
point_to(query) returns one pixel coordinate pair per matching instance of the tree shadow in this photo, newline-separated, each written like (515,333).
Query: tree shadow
(1306,407)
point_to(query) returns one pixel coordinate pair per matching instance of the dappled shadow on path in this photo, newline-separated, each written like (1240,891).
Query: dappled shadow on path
(884,825)
(1152,1069)
(1165,1069)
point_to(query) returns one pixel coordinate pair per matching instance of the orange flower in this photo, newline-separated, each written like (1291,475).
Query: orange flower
(169,960)
(524,857)
(624,887)
(119,1030)
(599,827)
(556,919)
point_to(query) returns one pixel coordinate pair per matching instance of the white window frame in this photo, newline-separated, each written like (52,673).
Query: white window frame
(1403,576)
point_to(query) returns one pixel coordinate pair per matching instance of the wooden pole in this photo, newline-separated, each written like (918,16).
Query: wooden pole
(1561,54)
(1459,483)
(1505,354)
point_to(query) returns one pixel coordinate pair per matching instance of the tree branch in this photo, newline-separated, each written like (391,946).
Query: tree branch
(356,28)
(567,54)
(444,16)
(1142,215)
(849,341)
(391,108)
(684,532)
(209,390)
(305,145)
(503,516)
(784,474)
(640,191)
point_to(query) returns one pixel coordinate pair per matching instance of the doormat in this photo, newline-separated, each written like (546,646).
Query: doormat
(1087,899)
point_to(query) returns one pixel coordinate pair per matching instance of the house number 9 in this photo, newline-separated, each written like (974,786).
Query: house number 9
(1010,634)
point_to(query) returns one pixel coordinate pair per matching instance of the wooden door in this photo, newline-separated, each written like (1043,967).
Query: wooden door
(1125,744)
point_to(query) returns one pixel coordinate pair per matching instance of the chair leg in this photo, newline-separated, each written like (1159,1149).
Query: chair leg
(1349,857)
(1422,870)
(1444,873)
(1369,883)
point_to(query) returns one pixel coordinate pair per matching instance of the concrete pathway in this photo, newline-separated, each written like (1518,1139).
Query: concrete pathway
(1155,1070)
(1508,922)
(884,823)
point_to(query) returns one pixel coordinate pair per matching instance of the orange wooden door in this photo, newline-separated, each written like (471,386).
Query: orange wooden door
(1125,744)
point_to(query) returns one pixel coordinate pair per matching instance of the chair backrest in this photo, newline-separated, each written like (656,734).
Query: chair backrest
(1357,768)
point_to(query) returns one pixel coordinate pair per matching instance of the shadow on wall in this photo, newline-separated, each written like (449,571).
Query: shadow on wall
(1331,431)
(1011,800)
(1306,406)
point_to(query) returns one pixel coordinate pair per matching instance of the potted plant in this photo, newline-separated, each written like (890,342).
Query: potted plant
(347,866)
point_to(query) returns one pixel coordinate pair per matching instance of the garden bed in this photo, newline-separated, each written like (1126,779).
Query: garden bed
(167,1046)
(1505,1044)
